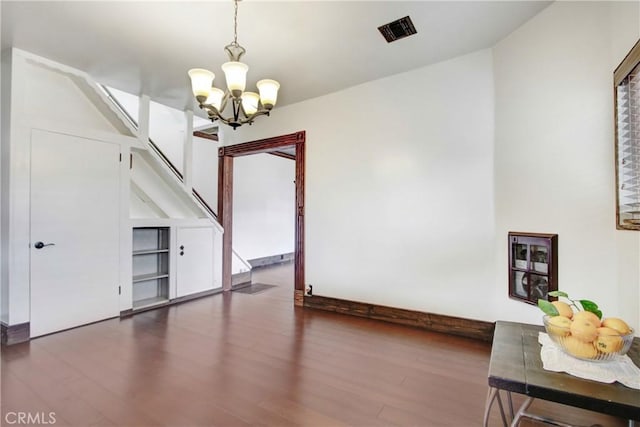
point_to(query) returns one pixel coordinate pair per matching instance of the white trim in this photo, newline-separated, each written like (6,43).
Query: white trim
(187,157)
(143,120)
(174,222)
(51,126)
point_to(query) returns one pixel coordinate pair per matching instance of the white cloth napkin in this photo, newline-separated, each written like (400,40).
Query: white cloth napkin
(622,370)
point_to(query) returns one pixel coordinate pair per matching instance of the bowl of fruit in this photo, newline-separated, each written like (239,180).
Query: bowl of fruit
(579,329)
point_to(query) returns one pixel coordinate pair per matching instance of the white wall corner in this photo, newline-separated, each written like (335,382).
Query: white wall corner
(5,158)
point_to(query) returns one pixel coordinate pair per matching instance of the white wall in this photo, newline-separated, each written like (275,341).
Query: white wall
(399,187)
(205,170)
(167,130)
(401,172)
(554,150)
(263,205)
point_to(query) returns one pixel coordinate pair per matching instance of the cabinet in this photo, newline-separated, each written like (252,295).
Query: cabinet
(533,266)
(194,267)
(150,266)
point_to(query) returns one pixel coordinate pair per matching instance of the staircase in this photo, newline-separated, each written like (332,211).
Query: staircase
(154,175)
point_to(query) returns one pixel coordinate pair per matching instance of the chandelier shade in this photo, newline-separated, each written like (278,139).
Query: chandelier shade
(215,98)
(250,102)
(236,75)
(245,106)
(268,92)
(201,82)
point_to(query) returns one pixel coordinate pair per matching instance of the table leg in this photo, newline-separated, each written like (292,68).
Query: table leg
(492,395)
(522,413)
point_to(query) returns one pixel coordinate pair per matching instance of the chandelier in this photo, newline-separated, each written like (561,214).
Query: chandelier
(246,106)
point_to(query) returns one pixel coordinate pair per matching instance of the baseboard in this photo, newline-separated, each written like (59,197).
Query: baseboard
(240,279)
(179,300)
(271,260)
(196,296)
(14,334)
(470,328)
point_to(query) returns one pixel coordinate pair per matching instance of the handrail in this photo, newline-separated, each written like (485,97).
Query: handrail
(113,99)
(166,160)
(157,150)
(204,203)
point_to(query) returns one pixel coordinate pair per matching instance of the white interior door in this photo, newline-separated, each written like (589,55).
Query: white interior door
(195,260)
(75,214)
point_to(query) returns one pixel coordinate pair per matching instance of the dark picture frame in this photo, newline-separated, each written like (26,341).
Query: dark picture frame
(533,266)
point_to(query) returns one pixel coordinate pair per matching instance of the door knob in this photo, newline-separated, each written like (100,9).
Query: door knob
(40,245)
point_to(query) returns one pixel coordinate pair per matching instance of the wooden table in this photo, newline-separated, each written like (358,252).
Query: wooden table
(516,366)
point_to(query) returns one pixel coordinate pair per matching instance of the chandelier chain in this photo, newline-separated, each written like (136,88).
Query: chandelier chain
(235,23)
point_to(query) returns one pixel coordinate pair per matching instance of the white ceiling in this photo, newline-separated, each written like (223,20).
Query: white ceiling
(311,47)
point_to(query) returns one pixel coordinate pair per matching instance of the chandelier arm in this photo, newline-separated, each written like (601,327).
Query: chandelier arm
(236,120)
(225,99)
(249,119)
(214,114)
(237,105)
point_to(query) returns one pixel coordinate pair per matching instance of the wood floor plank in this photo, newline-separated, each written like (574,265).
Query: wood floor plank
(237,359)
(299,414)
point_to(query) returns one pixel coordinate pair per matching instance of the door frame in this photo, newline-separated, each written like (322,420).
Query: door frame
(226,155)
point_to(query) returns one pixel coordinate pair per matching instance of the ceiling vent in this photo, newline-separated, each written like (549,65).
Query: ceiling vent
(397,29)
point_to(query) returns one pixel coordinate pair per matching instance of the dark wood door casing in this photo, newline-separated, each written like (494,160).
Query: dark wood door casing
(225,199)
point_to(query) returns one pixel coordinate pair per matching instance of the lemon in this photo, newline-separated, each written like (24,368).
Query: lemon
(558,326)
(587,315)
(617,324)
(563,308)
(608,340)
(579,348)
(584,330)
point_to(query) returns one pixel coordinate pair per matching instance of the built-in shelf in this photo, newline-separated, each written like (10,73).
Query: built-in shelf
(152,251)
(149,302)
(150,266)
(151,276)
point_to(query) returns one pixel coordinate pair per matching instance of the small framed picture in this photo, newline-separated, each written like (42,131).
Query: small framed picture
(533,266)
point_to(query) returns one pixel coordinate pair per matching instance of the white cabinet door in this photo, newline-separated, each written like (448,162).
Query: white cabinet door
(195,260)
(75,213)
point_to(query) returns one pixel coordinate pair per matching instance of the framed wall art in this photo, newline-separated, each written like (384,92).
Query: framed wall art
(533,266)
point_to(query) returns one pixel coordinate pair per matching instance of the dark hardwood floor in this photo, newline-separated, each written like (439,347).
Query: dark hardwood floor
(243,359)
